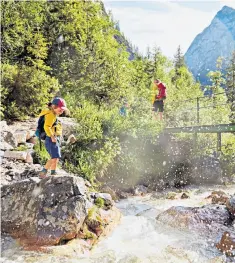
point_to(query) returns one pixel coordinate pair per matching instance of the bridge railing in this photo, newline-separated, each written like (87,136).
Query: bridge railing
(208,109)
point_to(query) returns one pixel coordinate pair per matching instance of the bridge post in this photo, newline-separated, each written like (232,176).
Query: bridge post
(195,140)
(218,141)
(198,108)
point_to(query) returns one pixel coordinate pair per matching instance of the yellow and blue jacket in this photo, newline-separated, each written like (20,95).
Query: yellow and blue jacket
(50,119)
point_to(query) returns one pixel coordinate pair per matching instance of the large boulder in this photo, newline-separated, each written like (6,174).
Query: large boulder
(44,213)
(69,126)
(13,171)
(210,219)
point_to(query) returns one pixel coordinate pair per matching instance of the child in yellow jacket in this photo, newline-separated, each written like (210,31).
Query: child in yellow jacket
(53,130)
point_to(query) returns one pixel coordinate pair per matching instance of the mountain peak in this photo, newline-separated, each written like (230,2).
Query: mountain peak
(218,39)
(226,10)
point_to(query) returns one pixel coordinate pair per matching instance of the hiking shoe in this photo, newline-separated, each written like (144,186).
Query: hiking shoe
(42,174)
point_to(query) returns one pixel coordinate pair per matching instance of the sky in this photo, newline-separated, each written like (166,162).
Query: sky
(166,24)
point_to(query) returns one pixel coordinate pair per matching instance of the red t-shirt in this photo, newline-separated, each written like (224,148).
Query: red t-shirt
(161,91)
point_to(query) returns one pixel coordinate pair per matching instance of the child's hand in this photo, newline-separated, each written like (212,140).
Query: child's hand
(53,138)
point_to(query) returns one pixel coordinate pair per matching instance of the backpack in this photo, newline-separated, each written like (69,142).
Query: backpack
(40,132)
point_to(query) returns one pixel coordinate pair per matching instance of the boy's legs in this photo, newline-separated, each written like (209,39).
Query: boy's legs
(161,109)
(47,167)
(54,150)
(48,164)
(155,110)
(54,163)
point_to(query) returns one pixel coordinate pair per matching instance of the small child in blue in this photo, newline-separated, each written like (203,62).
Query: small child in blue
(123,110)
(53,130)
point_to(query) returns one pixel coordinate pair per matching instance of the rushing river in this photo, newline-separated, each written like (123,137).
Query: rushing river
(138,237)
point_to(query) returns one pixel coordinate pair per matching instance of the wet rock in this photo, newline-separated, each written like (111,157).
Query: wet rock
(107,189)
(140,190)
(171,195)
(227,243)
(218,197)
(184,196)
(123,195)
(44,213)
(211,218)
(107,199)
(230,204)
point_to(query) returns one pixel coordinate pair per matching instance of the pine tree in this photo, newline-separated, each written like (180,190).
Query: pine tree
(179,59)
(230,76)
(178,64)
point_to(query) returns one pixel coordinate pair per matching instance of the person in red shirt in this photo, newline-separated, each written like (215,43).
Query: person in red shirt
(158,105)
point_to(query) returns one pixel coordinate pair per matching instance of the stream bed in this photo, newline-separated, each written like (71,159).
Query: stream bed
(139,237)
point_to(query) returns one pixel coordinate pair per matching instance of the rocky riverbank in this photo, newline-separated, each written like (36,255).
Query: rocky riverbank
(40,214)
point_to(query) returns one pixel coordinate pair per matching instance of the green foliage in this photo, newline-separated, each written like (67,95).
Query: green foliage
(18,83)
(40,156)
(218,109)
(21,148)
(178,64)
(230,85)
(181,99)
(99,202)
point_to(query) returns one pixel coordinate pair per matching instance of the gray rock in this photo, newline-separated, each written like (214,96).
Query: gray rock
(230,204)
(44,213)
(104,196)
(140,190)
(69,126)
(5,146)
(72,139)
(19,155)
(21,136)
(208,220)
(3,125)
(8,137)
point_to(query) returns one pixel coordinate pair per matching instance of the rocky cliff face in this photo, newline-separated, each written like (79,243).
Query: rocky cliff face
(218,39)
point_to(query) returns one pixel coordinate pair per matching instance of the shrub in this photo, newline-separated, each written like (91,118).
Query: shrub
(26,91)
(40,156)
(99,202)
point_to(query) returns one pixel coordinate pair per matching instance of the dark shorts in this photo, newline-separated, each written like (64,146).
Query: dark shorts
(158,105)
(53,148)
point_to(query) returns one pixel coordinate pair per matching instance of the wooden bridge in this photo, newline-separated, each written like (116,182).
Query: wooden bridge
(197,128)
